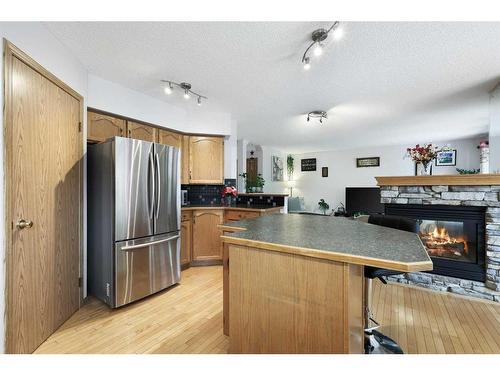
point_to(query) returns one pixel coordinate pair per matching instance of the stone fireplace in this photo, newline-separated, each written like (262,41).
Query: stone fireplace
(459,220)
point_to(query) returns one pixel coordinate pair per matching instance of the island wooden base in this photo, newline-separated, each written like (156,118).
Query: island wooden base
(287,303)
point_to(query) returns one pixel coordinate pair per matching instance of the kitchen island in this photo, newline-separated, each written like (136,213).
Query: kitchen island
(294,283)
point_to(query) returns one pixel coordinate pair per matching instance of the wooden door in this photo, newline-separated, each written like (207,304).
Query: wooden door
(142,132)
(207,244)
(252,169)
(185,160)
(44,148)
(186,231)
(170,138)
(101,127)
(206,160)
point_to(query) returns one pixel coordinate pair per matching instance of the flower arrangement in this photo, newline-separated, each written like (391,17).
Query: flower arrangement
(422,154)
(229,191)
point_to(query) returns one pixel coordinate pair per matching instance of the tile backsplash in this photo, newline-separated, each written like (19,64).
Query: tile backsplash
(212,194)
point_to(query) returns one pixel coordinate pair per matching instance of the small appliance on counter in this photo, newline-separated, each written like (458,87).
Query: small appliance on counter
(184,197)
(134,219)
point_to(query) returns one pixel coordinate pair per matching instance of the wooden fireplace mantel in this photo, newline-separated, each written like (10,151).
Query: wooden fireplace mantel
(471,180)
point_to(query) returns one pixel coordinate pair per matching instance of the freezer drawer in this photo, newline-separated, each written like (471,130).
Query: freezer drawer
(146,266)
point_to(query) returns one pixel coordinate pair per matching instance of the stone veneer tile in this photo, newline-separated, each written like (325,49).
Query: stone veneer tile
(491,196)
(439,188)
(463,196)
(464,188)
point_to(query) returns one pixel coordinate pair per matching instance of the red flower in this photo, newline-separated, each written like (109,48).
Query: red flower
(229,190)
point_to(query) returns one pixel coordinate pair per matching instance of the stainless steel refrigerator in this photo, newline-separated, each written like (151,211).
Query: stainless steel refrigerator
(133,194)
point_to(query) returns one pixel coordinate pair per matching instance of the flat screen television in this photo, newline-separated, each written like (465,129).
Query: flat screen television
(363,200)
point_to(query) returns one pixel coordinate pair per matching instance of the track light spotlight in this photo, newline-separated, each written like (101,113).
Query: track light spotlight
(307,64)
(169,88)
(199,100)
(317,37)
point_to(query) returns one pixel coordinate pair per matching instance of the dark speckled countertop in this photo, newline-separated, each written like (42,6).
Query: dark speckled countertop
(334,238)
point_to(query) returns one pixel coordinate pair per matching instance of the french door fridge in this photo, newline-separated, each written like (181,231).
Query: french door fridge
(133,219)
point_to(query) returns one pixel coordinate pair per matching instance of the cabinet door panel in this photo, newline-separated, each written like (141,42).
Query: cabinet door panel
(101,127)
(142,132)
(207,243)
(206,160)
(186,232)
(169,138)
(185,160)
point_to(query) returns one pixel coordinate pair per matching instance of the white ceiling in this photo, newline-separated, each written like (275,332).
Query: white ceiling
(382,83)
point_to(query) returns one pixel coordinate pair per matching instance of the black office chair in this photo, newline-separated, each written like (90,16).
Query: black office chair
(388,345)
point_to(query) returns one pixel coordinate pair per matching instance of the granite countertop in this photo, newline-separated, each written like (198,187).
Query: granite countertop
(242,207)
(334,238)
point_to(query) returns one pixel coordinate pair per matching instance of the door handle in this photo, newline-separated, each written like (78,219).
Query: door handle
(153,185)
(21,224)
(132,247)
(158,176)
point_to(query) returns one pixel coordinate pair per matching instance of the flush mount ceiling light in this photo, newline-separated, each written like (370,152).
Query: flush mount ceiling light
(184,86)
(318,37)
(317,115)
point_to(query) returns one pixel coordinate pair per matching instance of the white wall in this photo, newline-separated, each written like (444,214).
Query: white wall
(494,133)
(36,41)
(231,152)
(342,171)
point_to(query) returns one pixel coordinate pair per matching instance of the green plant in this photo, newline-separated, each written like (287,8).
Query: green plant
(259,182)
(289,166)
(467,171)
(323,206)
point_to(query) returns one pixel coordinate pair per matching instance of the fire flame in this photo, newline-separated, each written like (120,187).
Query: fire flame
(440,237)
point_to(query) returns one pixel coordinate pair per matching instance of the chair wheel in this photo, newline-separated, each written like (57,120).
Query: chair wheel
(387,343)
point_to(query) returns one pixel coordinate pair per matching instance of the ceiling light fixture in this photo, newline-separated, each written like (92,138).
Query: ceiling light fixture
(184,86)
(318,36)
(317,115)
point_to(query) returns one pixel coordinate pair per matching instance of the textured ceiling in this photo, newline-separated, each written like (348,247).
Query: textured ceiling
(382,83)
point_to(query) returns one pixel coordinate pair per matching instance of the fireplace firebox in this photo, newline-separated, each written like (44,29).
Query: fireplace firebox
(454,237)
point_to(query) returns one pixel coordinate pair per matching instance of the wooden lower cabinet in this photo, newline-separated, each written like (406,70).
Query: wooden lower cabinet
(186,242)
(207,245)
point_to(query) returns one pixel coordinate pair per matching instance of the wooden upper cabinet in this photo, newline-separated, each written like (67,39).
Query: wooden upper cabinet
(185,160)
(101,127)
(141,131)
(170,138)
(207,244)
(206,160)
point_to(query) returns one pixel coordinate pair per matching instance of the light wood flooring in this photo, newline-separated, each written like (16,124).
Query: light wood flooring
(188,319)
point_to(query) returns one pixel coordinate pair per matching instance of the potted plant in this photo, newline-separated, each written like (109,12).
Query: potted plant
(228,193)
(249,183)
(423,156)
(259,184)
(323,206)
(289,166)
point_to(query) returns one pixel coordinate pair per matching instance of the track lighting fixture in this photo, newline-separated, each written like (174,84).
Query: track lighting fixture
(318,36)
(184,86)
(318,115)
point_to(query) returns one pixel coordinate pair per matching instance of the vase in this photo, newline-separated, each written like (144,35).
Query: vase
(228,200)
(424,168)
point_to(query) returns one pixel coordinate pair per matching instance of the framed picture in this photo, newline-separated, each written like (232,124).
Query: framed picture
(446,158)
(368,162)
(277,168)
(307,165)
(324,171)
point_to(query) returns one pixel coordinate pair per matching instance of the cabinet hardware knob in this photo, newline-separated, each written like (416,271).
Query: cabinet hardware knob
(21,224)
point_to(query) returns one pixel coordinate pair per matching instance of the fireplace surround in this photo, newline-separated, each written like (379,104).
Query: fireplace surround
(460,227)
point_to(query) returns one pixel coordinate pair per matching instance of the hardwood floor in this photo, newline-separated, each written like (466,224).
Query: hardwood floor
(188,319)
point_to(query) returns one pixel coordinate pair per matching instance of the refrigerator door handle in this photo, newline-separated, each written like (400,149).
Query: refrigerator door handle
(158,198)
(132,247)
(152,193)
